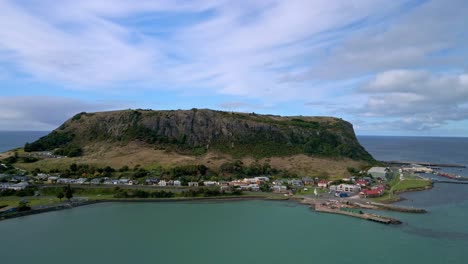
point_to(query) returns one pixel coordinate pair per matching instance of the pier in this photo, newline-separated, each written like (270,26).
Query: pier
(427,164)
(366,216)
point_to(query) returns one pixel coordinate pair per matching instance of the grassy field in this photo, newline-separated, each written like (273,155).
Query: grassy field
(409,183)
(33,201)
(135,154)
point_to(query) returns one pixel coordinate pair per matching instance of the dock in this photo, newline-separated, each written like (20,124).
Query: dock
(366,216)
(427,164)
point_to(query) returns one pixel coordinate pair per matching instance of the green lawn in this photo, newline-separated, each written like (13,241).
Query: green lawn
(33,201)
(411,184)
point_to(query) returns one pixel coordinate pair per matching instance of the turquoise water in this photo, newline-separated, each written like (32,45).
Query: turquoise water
(232,232)
(253,231)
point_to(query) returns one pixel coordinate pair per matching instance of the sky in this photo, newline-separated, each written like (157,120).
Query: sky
(389,67)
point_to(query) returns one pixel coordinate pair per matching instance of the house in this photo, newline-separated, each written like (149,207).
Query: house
(19,178)
(4,186)
(42,176)
(96,181)
(177,183)
(125,181)
(361,183)
(52,179)
(307,180)
(378,172)
(193,184)
(279,189)
(295,183)
(18,186)
(323,184)
(349,188)
(81,181)
(162,183)
(225,188)
(151,181)
(371,193)
(64,180)
(254,187)
(262,179)
(210,183)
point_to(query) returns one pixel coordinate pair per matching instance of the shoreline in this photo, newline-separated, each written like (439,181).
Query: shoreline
(72,205)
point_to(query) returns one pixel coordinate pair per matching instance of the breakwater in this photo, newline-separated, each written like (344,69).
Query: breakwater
(423,163)
(361,215)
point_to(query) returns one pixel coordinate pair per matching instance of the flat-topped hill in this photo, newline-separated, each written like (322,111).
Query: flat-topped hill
(198,131)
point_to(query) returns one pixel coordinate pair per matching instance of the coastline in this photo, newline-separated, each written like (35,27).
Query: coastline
(72,205)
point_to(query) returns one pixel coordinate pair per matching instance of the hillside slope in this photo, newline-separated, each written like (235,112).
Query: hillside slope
(199,131)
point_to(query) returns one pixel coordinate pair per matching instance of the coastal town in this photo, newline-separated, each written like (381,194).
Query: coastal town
(347,196)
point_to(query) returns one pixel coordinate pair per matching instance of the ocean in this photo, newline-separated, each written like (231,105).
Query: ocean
(255,231)
(11,139)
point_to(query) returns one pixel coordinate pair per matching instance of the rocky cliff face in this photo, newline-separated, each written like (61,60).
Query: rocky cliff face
(200,130)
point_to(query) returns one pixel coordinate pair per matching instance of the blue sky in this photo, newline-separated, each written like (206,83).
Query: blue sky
(389,67)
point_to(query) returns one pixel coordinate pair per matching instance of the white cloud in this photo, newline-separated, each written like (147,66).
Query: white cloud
(44,113)
(420,100)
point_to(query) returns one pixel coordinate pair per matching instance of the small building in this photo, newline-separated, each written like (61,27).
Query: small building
(18,186)
(371,193)
(162,183)
(279,189)
(378,172)
(96,181)
(151,181)
(52,179)
(177,183)
(4,186)
(254,187)
(124,181)
(307,180)
(193,184)
(361,183)
(349,188)
(81,181)
(262,179)
(323,184)
(295,183)
(210,183)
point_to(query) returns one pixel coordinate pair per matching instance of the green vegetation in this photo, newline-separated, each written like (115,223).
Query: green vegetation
(411,184)
(194,132)
(28,191)
(50,142)
(122,193)
(23,205)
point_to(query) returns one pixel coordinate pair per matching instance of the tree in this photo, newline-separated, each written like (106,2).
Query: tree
(23,205)
(60,195)
(73,167)
(68,192)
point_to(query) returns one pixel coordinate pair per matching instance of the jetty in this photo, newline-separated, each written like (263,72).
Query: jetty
(359,214)
(348,210)
(423,163)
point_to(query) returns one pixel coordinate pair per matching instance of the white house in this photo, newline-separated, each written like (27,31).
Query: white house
(210,183)
(162,183)
(279,189)
(18,186)
(177,183)
(193,184)
(349,188)
(254,187)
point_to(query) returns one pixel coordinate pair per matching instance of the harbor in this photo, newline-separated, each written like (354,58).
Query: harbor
(352,209)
